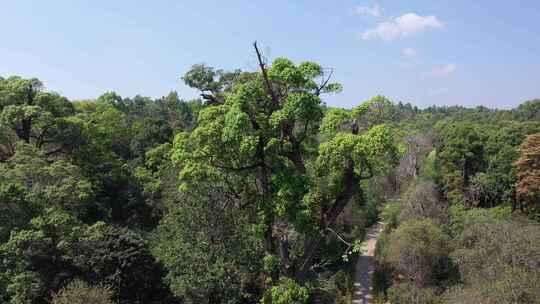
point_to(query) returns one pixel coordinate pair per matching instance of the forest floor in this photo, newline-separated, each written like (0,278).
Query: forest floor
(365,266)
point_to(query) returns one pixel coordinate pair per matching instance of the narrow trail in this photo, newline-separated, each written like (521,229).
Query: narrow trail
(365,266)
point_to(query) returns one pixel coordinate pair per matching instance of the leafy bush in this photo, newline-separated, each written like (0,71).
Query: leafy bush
(33,262)
(405,293)
(498,261)
(418,250)
(122,259)
(390,215)
(422,202)
(289,292)
(211,257)
(332,287)
(79,292)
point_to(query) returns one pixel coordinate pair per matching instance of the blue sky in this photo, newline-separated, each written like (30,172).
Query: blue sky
(424,52)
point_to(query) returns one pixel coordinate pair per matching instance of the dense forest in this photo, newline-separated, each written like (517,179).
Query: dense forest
(258,192)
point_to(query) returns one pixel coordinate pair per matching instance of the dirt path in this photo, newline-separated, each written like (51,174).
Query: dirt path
(364,268)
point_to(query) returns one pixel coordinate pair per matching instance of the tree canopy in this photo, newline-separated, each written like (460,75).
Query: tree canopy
(261,192)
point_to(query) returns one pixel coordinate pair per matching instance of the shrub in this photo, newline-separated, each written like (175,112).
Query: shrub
(390,215)
(211,257)
(406,293)
(498,261)
(422,202)
(79,292)
(289,292)
(418,250)
(122,259)
(332,288)
(461,216)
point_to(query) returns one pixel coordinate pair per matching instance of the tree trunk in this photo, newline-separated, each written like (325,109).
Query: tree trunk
(314,240)
(26,129)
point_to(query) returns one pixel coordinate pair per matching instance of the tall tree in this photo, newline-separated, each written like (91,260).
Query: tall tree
(19,105)
(460,151)
(35,116)
(528,177)
(260,138)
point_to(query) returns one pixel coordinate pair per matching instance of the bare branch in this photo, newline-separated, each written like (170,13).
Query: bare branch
(267,83)
(324,83)
(338,236)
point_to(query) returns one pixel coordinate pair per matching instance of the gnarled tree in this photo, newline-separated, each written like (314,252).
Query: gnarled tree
(261,140)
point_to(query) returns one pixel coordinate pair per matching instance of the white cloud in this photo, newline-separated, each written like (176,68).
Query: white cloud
(447,69)
(409,52)
(412,23)
(375,11)
(403,26)
(383,30)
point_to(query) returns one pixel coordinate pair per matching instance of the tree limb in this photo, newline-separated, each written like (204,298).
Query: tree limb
(262,66)
(324,83)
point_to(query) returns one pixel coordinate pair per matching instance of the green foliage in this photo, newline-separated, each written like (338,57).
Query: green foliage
(260,139)
(15,210)
(79,292)
(149,133)
(461,155)
(422,201)
(372,153)
(213,83)
(289,292)
(529,110)
(274,188)
(418,250)
(44,183)
(499,266)
(210,254)
(270,263)
(158,179)
(56,247)
(479,264)
(344,286)
(390,216)
(33,115)
(335,120)
(24,288)
(372,207)
(477,164)
(116,134)
(33,261)
(404,293)
(501,212)
(332,287)
(461,216)
(430,166)
(121,259)
(378,110)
